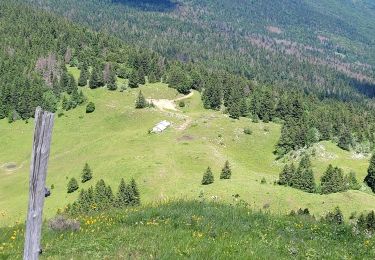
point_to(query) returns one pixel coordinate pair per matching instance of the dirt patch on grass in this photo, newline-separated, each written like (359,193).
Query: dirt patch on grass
(10,166)
(185,138)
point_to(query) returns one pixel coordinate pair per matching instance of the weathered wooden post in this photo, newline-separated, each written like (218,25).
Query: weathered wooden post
(38,173)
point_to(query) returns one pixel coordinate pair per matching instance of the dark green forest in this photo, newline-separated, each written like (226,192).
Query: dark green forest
(272,87)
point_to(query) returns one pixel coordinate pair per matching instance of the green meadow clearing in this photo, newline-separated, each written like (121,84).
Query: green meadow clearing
(114,140)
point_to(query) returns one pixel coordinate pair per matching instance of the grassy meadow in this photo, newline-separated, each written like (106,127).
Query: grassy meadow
(114,140)
(194,230)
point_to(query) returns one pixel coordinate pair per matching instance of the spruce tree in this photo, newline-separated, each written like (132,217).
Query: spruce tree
(112,81)
(333,181)
(72,84)
(133,80)
(352,181)
(100,193)
(226,172)
(83,76)
(72,185)
(141,101)
(370,178)
(86,173)
(96,79)
(122,197)
(135,200)
(285,177)
(208,177)
(303,179)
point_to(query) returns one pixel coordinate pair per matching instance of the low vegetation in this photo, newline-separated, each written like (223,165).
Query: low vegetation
(198,230)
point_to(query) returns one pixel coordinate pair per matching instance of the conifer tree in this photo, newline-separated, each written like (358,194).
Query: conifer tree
(72,84)
(133,80)
(352,181)
(112,81)
(123,195)
(333,181)
(72,185)
(86,173)
(141,101)
(96,79)
(135,200)
(100,193)
(83,76)
(208,177)
(226,172)
(303,179)
(370,178)
(286,175)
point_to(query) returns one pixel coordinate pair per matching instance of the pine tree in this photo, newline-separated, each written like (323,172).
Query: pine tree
(135,200)
(141,101)
(208,177)
(303,179)
(96,79)
(352,182)
(370,178)
(83,76)
(100,193)
(72,185)
(123,196)
(112,81)
(333,181)
(133,80)
(86,173)
(72,85)
(226,172)
(286,175)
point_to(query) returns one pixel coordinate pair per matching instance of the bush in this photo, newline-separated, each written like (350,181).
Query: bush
(90,107)
(61,223)
(263,181)
(181,103)
(208,177)
(247,131)
(72,185)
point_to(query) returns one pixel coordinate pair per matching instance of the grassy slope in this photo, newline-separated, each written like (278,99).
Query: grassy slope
(195,230)
(114,141)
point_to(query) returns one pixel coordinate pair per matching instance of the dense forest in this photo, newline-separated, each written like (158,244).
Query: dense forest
(293,44)
(34,59)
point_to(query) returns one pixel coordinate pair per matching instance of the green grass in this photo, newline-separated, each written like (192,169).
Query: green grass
(194,230)
(115,142)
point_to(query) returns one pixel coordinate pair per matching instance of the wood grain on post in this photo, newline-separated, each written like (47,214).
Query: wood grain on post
(38,173)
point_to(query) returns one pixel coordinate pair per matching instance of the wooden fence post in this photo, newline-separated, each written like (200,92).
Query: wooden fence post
(38,172)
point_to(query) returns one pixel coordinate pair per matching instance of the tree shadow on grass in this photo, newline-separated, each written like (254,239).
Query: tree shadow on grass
(149,5)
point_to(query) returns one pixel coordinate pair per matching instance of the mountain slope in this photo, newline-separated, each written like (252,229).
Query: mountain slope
(319,46)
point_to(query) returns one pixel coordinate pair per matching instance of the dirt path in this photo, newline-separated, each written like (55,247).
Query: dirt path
(167,104)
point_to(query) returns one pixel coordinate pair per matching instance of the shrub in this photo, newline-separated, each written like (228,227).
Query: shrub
(90,107)
(226,172)
(62,223)
(247,131)
(181,103)
(72,185)
(263,181)
(86,173)
(208,177)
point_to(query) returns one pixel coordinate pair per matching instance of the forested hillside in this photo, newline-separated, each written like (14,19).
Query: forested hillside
(34,73)
(319,46)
